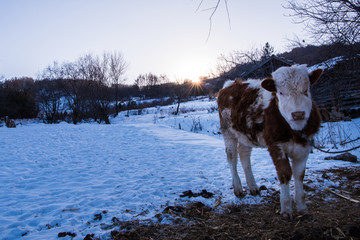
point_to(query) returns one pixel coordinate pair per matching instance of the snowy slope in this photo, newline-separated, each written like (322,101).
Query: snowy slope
(328,64)
(56,178)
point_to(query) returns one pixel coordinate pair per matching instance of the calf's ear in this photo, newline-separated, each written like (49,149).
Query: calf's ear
(315,75)
(269,84)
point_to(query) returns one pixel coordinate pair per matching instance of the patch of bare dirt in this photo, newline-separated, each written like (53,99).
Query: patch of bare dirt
(333,218)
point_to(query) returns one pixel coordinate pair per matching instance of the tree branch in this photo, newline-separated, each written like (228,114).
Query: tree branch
(214,9)
(336,20)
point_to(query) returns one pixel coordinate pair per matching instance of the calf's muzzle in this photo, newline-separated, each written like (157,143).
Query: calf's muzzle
(300,115)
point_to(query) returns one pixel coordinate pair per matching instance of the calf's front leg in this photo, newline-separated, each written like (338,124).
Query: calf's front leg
(298,165)
(284,173)
(299,173)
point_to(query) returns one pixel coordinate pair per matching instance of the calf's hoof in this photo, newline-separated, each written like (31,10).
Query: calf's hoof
(239,194)
(255,192)
(303,212)
(287,215)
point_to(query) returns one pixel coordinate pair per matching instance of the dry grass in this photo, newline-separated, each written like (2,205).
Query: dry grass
(335,218)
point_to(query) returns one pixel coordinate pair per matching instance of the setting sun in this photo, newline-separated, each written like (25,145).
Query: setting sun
(196,81)
(191,66)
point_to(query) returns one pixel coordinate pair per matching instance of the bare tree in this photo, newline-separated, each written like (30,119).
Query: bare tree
(329,21)
(179,93)
(94,70)
(86,84)
(163,79)
(52,72)
(140,81)
(227,62)
(75,90)
(117,67)
(49,99)
(147,81)
(296,42)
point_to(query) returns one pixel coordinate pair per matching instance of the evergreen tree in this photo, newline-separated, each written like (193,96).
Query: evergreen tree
(267,51)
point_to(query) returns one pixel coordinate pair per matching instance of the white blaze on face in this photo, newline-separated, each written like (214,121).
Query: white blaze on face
(293,92)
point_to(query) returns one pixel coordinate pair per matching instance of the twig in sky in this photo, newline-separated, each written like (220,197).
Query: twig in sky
(214,9)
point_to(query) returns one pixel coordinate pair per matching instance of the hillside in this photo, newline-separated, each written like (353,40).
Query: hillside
(312,55)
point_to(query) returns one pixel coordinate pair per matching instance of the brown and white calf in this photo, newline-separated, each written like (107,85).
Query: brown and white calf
(277,113)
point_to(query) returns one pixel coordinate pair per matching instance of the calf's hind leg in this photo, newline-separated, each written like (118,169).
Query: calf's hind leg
(244,154)
(231,153)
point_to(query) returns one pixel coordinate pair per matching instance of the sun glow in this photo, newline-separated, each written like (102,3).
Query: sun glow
(191,67)
(196,81)
(196,88)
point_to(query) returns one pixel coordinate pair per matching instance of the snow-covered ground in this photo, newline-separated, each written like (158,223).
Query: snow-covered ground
(63,177)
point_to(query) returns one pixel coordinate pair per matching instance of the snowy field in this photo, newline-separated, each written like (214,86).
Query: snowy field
(76,178)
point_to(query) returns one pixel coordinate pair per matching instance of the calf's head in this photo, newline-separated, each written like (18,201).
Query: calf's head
(292,88)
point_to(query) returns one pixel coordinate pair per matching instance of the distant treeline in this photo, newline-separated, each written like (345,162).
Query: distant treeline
(75,100)
(91,87)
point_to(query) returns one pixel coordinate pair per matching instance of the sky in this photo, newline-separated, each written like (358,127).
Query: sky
(159,36)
